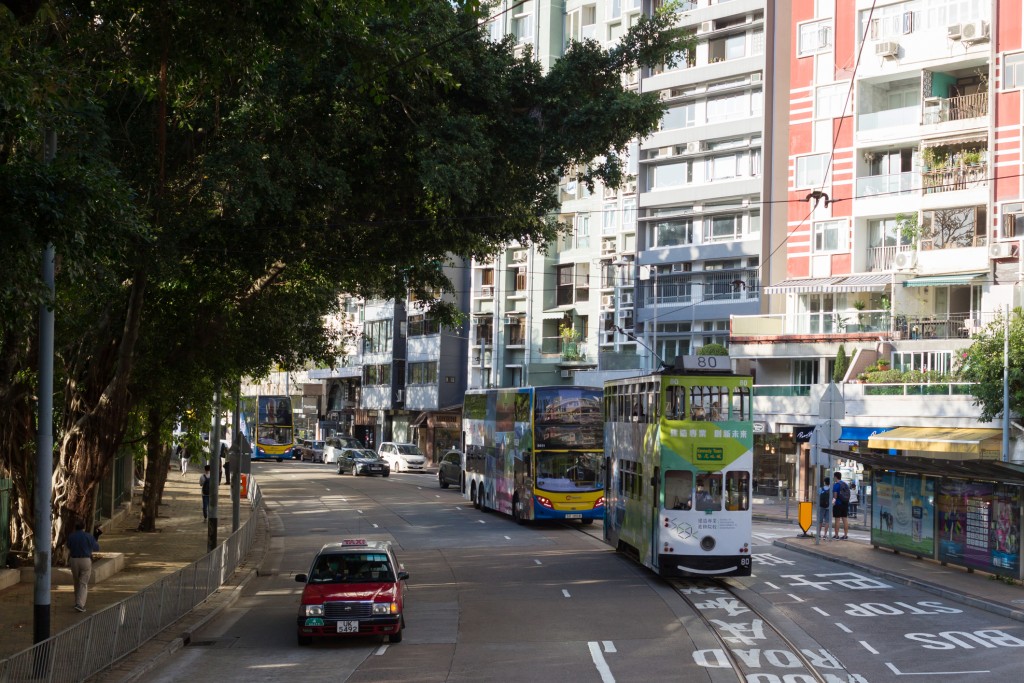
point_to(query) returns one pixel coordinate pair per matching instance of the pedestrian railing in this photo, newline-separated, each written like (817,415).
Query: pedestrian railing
(100,640)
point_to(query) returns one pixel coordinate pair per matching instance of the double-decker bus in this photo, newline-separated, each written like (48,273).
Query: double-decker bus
(266,421)
(680,445)
(535,452)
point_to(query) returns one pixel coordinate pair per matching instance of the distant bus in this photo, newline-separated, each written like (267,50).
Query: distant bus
(535,452)
(680,445)
(267,424)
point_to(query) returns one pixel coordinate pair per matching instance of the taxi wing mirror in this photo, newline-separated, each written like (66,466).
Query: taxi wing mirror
(301,578)
(403,576)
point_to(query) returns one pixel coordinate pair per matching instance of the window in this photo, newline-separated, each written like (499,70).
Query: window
(422,325)
(521,280)
(829,236)
(721,228)
(670,175)
(678,490)
(830,100)
(709,491)
(682,116)
(724,167)
(1013,71)
(377,374)
(522,28)
(377,336)
(564,295)
(729,47)
(737,490)
(805,372)
(728,107)
(952,228)
(814,37)
(608,223)
(1013,220)
(423,373)
(673,233)
(810,170)
(629,215)
(582,231)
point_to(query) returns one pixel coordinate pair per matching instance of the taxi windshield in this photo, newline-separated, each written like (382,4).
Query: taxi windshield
(352,568)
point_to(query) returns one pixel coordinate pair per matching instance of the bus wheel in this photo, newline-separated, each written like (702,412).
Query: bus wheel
(279,459)
(305,640)
(474,496)
(586,522)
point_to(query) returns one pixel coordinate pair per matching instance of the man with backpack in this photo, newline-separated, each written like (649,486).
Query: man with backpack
(841,506)
(824,508)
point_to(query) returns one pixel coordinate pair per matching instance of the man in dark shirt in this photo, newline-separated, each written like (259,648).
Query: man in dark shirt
(82,545)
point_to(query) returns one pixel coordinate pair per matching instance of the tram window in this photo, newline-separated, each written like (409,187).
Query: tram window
(737,490)
(709,491)
(699,403)
(678,490)
(740,403)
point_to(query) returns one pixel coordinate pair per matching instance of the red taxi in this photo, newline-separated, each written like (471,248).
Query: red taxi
(354,588)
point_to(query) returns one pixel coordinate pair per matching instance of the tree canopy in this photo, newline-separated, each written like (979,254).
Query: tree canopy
(982,365)
(225,172)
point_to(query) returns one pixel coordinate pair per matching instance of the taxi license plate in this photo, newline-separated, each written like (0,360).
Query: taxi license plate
(574,516)
(348,627)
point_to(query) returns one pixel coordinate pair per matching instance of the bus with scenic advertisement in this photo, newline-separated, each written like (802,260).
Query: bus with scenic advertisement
(680,444)
(535,452)
(266,423)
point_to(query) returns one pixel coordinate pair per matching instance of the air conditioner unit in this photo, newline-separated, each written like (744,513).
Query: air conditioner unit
(629,187)
(487,290)
(519,256)
(887,48)
(666,151)
(953,31)
(607,300)
(566,374)
(627,297)
(756,77)
(1003,249)
(706,27)
(665,95)
(904,260)
(975,31)
(692,147)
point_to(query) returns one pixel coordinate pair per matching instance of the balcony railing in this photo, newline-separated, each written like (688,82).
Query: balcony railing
(876,323)
(895,183)
(957,108)
(955,178)
(888,118)
(881,258)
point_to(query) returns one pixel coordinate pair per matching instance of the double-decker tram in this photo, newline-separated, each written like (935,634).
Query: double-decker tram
(266,422)
(680,450)
(535,452)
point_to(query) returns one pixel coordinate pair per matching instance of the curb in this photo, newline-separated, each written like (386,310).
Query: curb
(926,586)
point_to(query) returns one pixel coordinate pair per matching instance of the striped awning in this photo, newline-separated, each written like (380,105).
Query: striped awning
(941,280)
(803,285)
(870,282)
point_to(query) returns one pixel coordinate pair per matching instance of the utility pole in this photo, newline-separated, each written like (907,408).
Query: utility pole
(1006,386)
(236,458)
(43,533)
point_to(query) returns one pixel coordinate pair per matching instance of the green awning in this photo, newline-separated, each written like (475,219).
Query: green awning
(940,280)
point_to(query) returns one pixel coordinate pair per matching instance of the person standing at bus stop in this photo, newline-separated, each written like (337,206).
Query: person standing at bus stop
(81,546)
(841,506)
(824,508)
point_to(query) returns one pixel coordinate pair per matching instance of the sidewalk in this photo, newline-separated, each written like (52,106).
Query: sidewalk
(956,584)
(180,540)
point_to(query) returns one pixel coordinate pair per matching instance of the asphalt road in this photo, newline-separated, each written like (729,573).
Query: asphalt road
(493,601)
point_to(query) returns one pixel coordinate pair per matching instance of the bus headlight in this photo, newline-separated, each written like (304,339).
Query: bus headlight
(385,608)
(314,610)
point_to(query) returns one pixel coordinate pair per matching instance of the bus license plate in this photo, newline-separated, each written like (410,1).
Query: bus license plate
(574,516)
(348,627)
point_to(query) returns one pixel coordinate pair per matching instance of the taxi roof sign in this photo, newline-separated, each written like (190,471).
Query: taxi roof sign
(353,542)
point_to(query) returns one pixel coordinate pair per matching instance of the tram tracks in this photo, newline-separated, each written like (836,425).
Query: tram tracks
(751,644)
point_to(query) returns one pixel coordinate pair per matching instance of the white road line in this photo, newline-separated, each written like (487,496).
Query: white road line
(843,627)
(508,538)
(896,671)
(821,611)
(537,561)
(602,666)
(771,585)
(481,521)
(609,646)
(375,526)
(382,649)
(566,593)
(359,511)
(868,647)
(457,507)
(437,495)
(420,488)
(795,597)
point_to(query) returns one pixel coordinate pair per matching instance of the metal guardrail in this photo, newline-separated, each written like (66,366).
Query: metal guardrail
(100,640)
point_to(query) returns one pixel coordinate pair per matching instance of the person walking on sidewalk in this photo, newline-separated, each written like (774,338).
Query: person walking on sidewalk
(204,483)
(824,508)
(841,506)
(854,499)
(182,456)
(81,545)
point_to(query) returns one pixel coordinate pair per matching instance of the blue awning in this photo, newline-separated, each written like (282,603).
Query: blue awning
(856,434)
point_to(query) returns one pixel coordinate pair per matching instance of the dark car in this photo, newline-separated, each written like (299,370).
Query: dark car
(354,588)
(357,461)
(449,469)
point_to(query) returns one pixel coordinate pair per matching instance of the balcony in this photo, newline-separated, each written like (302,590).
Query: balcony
(942,109)
(881,259)
(955,178)
(843,325)
(889,118)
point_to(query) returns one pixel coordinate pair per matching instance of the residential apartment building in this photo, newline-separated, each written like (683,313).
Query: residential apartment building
(902,227)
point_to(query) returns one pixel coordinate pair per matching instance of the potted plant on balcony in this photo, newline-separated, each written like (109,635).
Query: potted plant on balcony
(860,305)
(883,364)
(570,342)
(909,227)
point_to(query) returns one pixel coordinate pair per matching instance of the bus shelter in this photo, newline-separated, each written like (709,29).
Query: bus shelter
(945,499)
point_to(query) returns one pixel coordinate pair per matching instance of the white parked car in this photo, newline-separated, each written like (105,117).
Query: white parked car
(402,456)
(336,444)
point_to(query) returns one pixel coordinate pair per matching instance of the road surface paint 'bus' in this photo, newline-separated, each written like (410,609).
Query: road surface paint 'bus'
(680,446)
(266,423)
(535,452)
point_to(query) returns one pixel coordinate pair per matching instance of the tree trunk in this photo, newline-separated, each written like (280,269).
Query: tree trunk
(158,459)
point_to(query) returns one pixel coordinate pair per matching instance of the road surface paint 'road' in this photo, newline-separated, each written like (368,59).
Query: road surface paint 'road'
(602,666)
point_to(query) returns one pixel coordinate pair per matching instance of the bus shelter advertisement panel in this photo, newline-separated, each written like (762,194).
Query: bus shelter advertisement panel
(903,512)
(979,526)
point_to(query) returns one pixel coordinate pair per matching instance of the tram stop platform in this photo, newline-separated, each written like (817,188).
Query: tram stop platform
(958,584)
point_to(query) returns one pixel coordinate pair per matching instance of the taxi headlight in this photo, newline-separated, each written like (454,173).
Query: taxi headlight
(314,610)
(385,608)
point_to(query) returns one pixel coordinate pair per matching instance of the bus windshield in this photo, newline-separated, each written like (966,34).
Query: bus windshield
(569,471)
